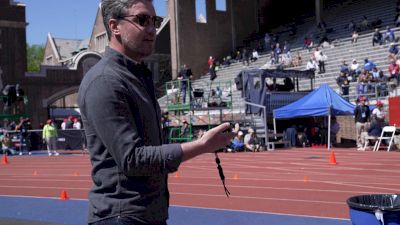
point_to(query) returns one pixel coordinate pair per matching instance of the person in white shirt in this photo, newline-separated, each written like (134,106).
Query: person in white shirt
(64,124)
(77,125)
(254,55)
(311,65)
(378,113)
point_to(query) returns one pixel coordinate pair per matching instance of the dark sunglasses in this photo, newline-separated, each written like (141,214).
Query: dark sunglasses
(144,20)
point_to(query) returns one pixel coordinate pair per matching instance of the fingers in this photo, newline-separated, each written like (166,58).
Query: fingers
(221,128)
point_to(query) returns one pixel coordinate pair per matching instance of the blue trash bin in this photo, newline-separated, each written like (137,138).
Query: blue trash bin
(381,209)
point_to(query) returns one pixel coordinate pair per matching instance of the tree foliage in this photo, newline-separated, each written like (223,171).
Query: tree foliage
(34,54)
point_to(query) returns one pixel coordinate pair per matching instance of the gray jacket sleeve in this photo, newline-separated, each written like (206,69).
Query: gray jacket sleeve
(108,111)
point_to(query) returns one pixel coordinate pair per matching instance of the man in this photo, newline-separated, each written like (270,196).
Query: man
(23,128)
(122,120)
(186,76)
(361,117)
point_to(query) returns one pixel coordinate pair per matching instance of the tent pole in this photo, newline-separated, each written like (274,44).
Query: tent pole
(275,127)
(329,131)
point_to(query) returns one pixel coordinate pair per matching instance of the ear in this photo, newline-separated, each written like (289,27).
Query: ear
(114,27)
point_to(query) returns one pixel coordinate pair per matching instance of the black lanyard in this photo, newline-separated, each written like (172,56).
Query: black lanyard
(221,174)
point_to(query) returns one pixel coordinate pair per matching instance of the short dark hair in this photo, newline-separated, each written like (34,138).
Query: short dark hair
(113,9)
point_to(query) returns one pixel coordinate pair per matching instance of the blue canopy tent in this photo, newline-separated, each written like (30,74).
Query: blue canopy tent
(323,101)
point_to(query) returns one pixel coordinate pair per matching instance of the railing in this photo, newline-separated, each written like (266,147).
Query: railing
(70,139)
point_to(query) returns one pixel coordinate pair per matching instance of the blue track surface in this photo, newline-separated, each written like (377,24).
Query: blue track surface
(74,212)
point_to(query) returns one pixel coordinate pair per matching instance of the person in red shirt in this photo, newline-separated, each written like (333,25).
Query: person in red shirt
(394,71)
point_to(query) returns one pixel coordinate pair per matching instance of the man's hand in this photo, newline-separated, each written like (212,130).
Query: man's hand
(218,137)
(211,141)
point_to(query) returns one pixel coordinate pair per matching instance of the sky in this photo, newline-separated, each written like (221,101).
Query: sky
(71,19)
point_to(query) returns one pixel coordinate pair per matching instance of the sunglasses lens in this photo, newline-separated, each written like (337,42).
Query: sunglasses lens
(143,20)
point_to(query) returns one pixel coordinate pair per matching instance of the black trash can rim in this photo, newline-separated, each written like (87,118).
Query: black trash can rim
(383,202)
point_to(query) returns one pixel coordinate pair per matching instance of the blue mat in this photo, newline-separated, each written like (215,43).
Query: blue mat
(75,212)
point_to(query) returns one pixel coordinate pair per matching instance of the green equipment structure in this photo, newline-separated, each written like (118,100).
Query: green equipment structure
(190,109)
(13,107)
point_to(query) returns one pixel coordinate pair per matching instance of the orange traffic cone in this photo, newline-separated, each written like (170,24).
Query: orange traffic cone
(64,196)
(332,159)
(4,160)
(305,179)
(176,175)
(236,177)
(35,173)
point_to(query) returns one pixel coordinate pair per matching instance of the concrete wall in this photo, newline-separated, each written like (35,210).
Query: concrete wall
(192,43)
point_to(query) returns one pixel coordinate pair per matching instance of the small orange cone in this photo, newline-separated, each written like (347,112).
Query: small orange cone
(35,173)
(63,196)
(176,175)
(332,159)
(4,160)
(76,173)
(305,179)
(236,177)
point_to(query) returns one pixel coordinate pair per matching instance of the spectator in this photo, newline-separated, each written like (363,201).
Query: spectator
(343,83)
(389,35)
(381,83)
(77,124)
(254,55)
(24,135)
(6,144)
(321,58)
(297,61)
(237,143)
(354,37)
(377,113)
(267,41)
(361,117)
(368,65)
(64,124)
(393,50)
(355,70)
(277,53)
(69,124)
(344,68)
(364,25)
(185,75)
(307,43)
(364,82)
(49,135)
(312,65)
(211,68)
(374,131)
(286,50)
(251,142)
(245,57)
(394,71)
(377,38)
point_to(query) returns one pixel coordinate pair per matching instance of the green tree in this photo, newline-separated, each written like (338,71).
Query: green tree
(34,54)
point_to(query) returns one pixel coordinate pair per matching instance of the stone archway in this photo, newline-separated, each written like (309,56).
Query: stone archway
(53,83)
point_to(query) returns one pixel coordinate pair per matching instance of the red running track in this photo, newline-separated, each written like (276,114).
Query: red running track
(295,181)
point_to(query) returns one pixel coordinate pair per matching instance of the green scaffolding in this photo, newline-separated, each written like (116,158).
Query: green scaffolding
(197,109)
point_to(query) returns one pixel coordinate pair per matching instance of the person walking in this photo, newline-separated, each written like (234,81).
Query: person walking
(122,120)
(49,135)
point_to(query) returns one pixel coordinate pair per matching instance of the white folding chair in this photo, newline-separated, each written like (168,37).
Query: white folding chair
(390,131)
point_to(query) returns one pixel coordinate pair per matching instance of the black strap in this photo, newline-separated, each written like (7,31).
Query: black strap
(221,174)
